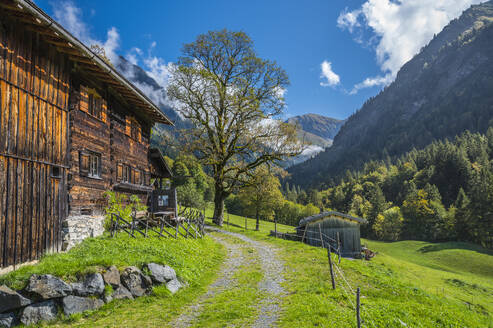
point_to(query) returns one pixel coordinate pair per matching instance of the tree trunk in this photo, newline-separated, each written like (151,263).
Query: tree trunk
(257,223)
(218,208)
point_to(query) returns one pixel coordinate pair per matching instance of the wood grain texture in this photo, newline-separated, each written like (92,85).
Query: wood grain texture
(34,80)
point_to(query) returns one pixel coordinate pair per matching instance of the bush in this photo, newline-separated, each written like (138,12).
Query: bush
(117,205)
(388,225)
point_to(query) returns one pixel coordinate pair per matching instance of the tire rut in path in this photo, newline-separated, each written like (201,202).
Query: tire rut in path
(270,286)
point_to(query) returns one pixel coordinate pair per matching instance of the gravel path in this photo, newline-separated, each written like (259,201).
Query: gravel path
(270,286)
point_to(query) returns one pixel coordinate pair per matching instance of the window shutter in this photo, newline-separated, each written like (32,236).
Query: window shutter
(84,99)
(84,164)
(104,108)
(119,170)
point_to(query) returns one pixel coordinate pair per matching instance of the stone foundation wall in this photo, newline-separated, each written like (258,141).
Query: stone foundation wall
(76,228)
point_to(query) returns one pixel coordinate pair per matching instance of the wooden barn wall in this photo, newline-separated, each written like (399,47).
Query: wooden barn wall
(349,234)
(87,133)
(108,136)
(125,149)
(34,83)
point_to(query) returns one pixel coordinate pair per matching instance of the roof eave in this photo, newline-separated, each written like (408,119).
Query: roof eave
(51,23)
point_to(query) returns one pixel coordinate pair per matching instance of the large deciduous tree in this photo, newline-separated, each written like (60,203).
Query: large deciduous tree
(231,96)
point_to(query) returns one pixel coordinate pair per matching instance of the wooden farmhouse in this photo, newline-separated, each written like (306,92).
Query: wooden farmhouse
(332,226)
(71,128)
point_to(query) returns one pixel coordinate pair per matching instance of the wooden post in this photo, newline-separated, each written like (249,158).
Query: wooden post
(176,230)
(358,318)
(339,247)
(320,233)
(331,269)
(304,233)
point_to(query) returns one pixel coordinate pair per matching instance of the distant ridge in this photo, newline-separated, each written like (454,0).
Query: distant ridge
(442,91)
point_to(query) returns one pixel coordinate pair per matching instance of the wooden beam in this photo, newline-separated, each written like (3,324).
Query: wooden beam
(79,59)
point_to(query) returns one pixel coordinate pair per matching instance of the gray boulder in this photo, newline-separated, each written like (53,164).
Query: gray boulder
(122,293)
(136,282)
(112,276)
(11,300)
(47,286)
(75,304)
(34,313)
(92,285)
(174,285)
(108,298)
(7,320)
(161,273)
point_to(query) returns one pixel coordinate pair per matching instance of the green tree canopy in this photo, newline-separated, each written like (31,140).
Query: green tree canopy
(231,96)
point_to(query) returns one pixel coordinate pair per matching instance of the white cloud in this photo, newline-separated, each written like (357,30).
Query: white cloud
(71,17)
(311,150)
(349,19)
(330,78)
(372,82)
(158,69)
(399,29)
(132,55)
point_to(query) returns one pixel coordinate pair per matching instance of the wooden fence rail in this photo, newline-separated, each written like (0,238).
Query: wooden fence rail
(189,224)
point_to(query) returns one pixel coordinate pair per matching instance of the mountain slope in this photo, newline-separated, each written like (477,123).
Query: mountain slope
(322,126)
(165,137)
(442,91)
(317,130)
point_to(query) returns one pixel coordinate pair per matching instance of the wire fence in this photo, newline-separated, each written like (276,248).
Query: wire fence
(349,291)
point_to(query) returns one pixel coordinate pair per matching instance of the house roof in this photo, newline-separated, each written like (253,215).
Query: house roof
(37,20)
(155,154)
(322,215)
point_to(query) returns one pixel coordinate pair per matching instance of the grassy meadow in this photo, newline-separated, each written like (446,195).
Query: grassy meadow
(408,284)
(196,261)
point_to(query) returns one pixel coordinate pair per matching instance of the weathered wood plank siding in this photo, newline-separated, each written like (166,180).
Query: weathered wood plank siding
(34,83)
(349,234)
(87,134)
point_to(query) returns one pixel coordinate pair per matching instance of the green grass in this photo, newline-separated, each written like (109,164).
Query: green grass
(414,283)
(457,271)
(236,306)
(397,286)
(239,221)
(196,261)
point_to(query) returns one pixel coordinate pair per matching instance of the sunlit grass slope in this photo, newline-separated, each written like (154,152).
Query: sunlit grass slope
(239,221)
(196,262)
(413,284)
(457,271)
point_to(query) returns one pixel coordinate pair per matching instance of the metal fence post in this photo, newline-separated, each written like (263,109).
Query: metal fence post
(358,318)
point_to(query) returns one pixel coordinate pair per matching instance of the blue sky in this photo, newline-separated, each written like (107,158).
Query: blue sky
(337,53)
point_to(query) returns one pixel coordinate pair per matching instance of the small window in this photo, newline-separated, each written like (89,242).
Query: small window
(95,105)
(86,211)
(95,166)
(137,178)
(134,131)
(124,173)
(163,200)
(56,172)
(90,164)
(133,128)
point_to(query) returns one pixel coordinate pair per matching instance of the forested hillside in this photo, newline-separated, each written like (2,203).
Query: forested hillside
(443,91)
(442,192)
